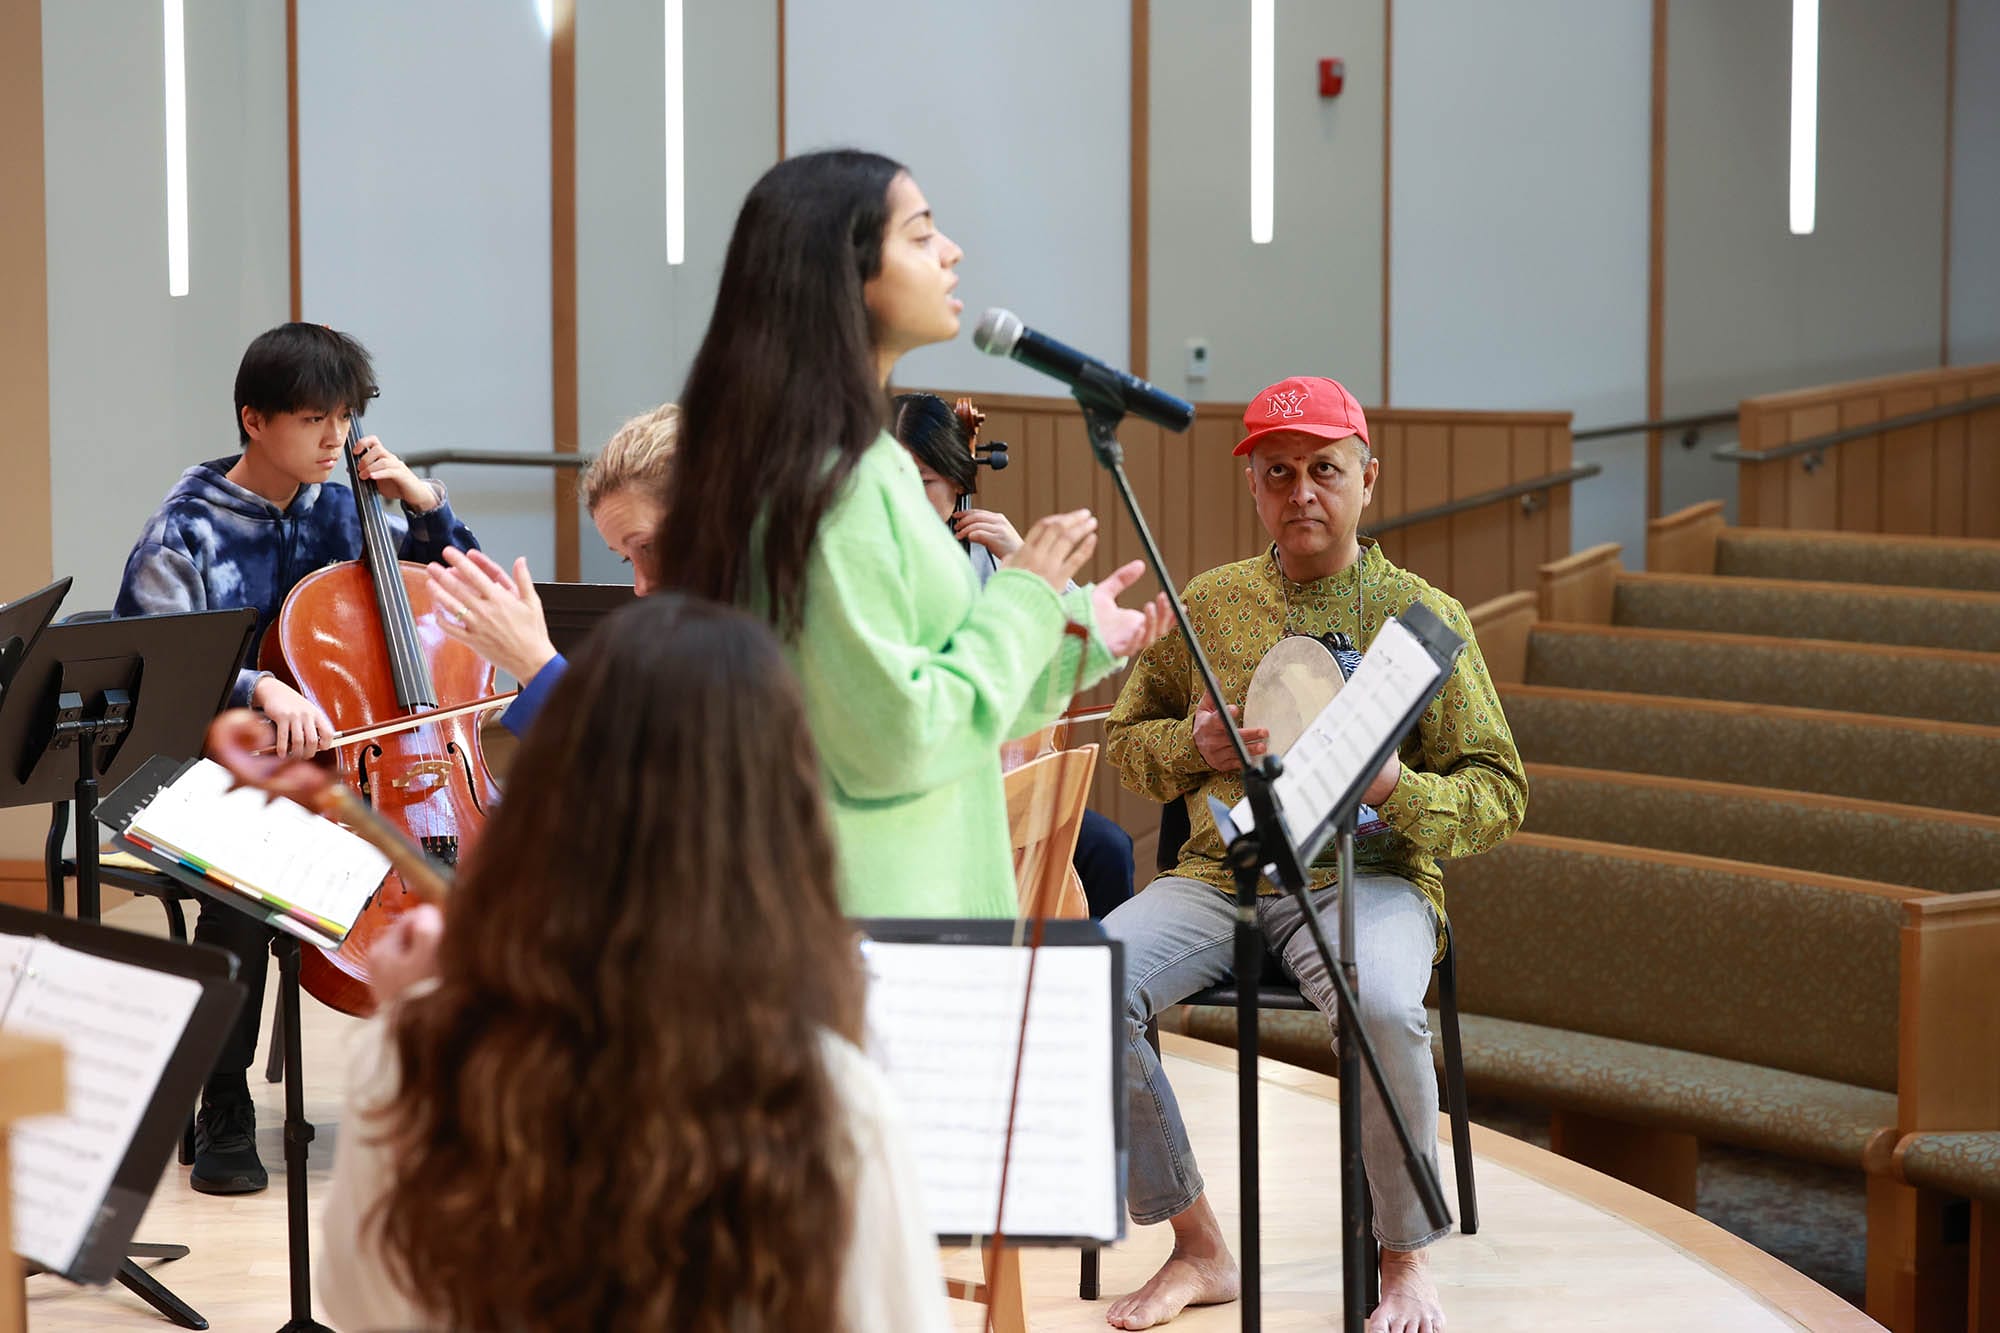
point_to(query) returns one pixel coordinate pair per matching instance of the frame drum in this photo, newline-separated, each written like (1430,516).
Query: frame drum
(1296,679)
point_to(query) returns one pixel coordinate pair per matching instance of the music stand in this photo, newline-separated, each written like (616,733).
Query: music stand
(996,934)
(21,623)
(78,687)
(572,610)
(74,717)
(120,808)
(107,1252)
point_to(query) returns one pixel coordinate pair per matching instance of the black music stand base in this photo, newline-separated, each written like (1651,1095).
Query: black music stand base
(87,735)
(298,1140)
(148,1289)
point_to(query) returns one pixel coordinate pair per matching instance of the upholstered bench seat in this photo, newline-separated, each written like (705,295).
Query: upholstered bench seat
(1855,557)
(1967,1165)
(1712,1098)
(1726,1101)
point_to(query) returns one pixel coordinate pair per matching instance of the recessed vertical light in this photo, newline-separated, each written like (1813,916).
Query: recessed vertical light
(545,14)
(1805,114)
(676,139)
(177,149)
(1263,99)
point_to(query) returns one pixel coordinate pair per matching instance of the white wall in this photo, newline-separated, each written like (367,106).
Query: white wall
(1975,187)
(1310,301)
(1015,119)
(639,320)
(424,231)
(139,382)
(1751,308)
(1518,216)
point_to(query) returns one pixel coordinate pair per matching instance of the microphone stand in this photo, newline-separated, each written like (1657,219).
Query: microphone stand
(1270,843)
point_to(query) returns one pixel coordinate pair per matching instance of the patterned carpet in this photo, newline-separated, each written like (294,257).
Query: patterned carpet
(1812,1217)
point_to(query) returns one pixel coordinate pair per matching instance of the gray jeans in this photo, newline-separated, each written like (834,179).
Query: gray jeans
(1179,937)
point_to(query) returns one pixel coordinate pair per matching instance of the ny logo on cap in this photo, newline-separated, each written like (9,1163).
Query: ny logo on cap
(1288,404)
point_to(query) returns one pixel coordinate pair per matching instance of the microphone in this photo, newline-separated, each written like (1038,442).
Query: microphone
(1001,333)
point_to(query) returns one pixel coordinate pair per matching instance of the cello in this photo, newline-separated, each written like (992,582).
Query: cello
(361,640)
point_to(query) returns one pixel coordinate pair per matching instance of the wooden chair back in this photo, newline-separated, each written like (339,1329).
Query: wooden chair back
(1034,745)
(1045,803)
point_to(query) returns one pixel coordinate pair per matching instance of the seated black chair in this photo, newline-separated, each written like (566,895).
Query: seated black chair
(1274,992)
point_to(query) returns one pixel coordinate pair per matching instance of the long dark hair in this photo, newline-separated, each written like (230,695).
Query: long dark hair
(783,397)
(618,1085)
(936,436)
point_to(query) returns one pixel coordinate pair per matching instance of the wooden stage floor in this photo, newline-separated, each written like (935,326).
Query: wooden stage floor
(1559,1247)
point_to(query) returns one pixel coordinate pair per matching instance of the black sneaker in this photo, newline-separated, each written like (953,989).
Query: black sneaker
(225,1148)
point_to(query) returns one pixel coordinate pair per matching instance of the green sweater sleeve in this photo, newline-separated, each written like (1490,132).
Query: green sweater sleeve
(1052,692)
(1475,792)
(891,716)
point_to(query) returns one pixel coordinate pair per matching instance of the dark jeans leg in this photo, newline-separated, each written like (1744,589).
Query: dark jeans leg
(250,940)
(1104,863)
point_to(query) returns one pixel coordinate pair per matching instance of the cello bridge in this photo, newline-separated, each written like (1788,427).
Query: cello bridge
(428,775)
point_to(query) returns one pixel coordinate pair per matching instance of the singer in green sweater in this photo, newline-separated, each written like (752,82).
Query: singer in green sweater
(790,497)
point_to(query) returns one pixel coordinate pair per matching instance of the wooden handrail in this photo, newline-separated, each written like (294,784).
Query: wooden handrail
(430,458)
(1820,443)
(1692,422)
(1527,487)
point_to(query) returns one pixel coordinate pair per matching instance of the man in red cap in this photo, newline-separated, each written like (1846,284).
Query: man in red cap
(1455,789)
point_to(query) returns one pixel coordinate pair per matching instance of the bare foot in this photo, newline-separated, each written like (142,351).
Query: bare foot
(1200,1271)
(1409,1298)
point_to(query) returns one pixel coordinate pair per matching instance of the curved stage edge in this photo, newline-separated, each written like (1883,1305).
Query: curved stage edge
(1559,1246)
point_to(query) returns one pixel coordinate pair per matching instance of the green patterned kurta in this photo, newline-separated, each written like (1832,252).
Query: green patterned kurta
(1462,789)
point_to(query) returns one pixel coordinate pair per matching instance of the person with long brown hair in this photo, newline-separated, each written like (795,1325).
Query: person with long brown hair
(792,498)
(618,1087)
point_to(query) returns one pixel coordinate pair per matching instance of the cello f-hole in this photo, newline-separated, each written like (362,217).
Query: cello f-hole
(457,751)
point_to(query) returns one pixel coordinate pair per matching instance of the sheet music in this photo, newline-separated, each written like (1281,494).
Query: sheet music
(274,850)
(118,1026)
(944,1021)
(1395,675)
(13,955)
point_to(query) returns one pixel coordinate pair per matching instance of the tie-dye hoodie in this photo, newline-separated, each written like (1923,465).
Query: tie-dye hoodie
(213,545)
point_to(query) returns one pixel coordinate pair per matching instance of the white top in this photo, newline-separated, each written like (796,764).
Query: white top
(892,1281)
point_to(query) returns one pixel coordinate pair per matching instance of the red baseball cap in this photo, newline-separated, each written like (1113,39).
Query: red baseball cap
(1306,404)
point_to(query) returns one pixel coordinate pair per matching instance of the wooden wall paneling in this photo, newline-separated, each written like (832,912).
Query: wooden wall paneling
(1858,465)
(1932,479)
(1040,435)
(1949,463)
(1481,539)
(1531,544)
(1219,496)
(1811,498)
(1175,516)
(1427,481)
(1006,491)
(1557,535)
(1982,462)
(1389,486)
(1909,464)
